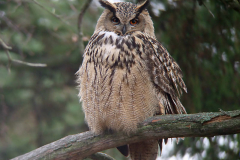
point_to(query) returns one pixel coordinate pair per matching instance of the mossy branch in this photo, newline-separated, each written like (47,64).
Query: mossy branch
(85,144)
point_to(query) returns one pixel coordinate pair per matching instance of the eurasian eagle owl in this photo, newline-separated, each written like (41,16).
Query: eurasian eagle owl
(127,76)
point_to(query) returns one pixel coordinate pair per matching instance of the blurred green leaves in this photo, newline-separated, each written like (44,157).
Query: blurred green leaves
(40,105)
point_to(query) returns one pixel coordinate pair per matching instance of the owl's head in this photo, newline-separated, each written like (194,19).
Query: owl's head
(124,18)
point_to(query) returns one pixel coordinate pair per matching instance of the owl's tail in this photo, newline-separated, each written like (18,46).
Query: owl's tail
(146,150)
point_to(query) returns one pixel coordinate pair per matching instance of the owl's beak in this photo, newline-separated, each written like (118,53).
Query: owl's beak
(124,29)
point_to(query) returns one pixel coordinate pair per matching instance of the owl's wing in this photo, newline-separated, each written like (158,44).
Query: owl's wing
(166,76)
(172,69)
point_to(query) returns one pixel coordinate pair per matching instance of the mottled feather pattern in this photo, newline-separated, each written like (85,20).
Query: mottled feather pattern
(126,9)
(127,76)
(121,65)
(118,69)
(166,74)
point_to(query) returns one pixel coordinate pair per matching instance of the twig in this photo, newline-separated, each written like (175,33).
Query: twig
(29,64)
(4,45)
(208,10)
(200,2)
(58,17)
(10,60)
(80,17)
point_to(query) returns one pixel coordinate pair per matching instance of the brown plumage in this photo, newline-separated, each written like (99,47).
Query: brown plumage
(127,75)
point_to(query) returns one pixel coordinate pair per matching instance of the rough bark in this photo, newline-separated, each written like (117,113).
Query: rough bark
(85,144)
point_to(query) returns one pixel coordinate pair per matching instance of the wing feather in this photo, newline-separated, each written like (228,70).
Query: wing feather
(166,75)
(173,69)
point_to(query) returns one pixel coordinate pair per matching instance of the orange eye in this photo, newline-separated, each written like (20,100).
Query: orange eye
(134,21)
(115,20)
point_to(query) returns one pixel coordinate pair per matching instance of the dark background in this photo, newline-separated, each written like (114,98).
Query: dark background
(39,105)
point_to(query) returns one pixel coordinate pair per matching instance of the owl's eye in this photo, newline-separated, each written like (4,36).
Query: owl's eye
(115,20)
(134,21)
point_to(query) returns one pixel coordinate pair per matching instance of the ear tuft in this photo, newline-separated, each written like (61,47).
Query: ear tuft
(108,5)
(142,6)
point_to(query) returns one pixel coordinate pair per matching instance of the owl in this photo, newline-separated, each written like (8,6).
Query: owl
(127,76)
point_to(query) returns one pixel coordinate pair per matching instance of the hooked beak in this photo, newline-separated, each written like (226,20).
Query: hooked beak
(124,29)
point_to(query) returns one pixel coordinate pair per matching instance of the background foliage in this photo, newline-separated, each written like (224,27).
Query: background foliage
(39,105)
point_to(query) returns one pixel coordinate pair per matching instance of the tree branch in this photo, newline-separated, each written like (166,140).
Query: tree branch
(100,156)
(81,14)
(10,60)
(84,144)
(79,25)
